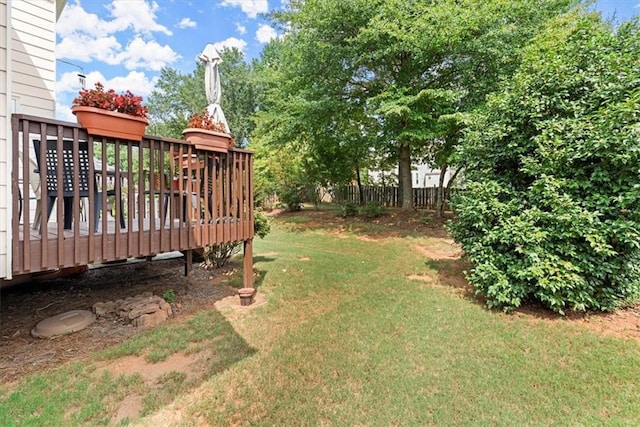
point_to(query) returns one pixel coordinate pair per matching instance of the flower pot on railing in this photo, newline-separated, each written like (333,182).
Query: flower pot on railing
(112,124)
(208,139)
(107,113)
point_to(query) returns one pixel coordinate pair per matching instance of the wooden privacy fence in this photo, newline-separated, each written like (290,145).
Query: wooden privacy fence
(423,198)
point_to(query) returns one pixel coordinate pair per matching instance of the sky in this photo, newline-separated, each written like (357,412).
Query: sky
(125,43)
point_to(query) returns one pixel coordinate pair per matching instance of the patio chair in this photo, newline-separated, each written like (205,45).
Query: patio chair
(69,170)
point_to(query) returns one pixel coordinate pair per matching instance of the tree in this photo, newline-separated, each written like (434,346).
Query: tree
(322,139)
(401,64)
(238,93)
(174,98)
(177,96)
(550,211)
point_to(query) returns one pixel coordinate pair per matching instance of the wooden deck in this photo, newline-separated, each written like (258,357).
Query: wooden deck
(165,194)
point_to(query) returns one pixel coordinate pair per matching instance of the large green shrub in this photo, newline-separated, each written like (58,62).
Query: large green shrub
(551,211)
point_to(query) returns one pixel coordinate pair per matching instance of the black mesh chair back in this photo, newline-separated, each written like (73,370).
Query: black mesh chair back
(69,168)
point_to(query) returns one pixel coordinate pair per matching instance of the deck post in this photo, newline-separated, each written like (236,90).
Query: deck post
(188,261)
(248,264)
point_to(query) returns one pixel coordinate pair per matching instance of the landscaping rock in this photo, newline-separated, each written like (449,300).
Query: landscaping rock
(101,309)
(151,319)
(143,310)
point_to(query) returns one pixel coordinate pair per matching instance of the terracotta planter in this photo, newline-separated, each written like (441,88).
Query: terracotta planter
(208,139)
(112,124)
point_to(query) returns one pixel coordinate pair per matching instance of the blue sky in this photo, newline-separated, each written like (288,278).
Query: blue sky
(125,43)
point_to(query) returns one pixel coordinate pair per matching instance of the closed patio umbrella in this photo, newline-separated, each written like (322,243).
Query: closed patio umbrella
(213,90)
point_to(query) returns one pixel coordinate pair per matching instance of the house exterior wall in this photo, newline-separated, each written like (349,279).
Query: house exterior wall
(422,176)
(33,50)
(27,85)
(5,151)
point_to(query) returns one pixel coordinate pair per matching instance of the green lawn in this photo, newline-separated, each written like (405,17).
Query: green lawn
(346,338)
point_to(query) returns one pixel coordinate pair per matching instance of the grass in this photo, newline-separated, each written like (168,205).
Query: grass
(347,339)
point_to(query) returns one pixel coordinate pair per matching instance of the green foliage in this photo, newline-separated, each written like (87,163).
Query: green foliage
(550,211)
(261,224)
(348,209)
(360,84)
(169,296)
(173,99)
(292,199)
(372,210)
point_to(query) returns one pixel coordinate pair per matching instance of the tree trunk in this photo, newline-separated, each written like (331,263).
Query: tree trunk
(440,193)
(452,179)
(406,184)
(359,179)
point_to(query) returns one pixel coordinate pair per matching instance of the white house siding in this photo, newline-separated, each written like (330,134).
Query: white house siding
(33,51)
(422,176)
(426,177)
(27,84)
(5,201)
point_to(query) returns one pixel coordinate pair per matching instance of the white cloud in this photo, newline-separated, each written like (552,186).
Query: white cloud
(136,81)
(69,83)
(146,55)
(75,19)
(138,15)
(187,23)
(231,42)
(251,7)
(241,28)
(265,33)
(85,37)
(83,47)
(63,112)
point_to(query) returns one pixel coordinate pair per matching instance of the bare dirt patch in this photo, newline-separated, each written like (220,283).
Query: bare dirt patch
(444,249)
(23,306)
(394,223)
(190,365)
(129,407)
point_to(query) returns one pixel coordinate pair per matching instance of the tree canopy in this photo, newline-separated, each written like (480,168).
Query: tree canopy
(359,77)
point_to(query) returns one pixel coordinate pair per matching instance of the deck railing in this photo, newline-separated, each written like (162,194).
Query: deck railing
(120,198)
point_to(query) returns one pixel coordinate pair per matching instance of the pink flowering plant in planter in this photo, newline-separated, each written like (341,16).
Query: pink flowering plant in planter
(105,113)
(206,133)
(205,121)
(125,103)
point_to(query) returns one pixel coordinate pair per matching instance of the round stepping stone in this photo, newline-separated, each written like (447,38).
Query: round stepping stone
(64,323)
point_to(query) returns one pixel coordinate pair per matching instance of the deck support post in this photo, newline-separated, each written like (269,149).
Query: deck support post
(188,261)
(248,264)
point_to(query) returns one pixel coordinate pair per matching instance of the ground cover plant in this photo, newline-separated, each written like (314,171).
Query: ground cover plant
(550,211)
(361,322)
